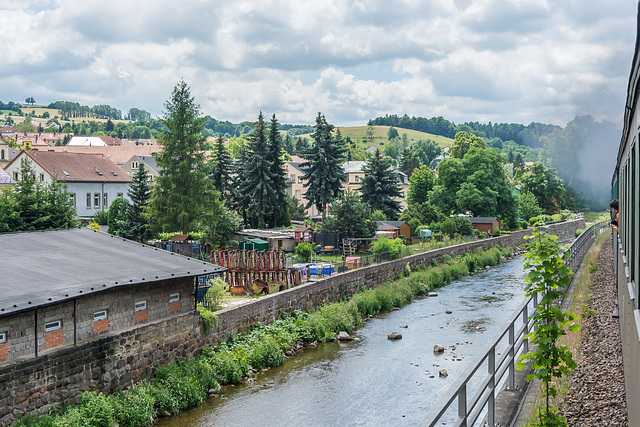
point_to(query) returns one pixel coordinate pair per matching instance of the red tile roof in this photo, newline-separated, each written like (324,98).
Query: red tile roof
(77,167)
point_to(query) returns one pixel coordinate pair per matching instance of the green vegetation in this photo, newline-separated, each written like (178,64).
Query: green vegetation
(548,276)
(304,251)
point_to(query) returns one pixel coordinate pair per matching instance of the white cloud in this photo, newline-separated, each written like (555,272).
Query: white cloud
(498,60)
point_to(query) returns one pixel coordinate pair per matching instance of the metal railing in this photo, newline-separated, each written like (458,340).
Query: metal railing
(499,357)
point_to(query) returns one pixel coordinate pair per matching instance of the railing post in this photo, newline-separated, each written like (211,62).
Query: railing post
(491,403)
(462,405)
(512,365)
(525,319)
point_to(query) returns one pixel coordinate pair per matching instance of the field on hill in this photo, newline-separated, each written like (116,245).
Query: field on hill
(359,134)
(38,111)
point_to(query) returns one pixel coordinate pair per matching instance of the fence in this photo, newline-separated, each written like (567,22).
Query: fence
(499,357)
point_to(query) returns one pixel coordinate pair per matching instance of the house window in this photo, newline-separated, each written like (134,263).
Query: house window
(175,297)
(174,303)
(141,305)
(72,197)
(120,196)
(41,177)
(299,194)
(1,154)
(134,165)
(53,326)
(96,200)
(16,176)
(3,337)
(99,315)
(105,200)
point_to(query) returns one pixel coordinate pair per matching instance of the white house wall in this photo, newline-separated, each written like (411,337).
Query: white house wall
(113,190)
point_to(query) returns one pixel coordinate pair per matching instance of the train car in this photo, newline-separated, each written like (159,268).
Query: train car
(625,186)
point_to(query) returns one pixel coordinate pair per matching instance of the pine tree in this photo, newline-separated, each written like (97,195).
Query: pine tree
(221,166)
(135,226)
(181,193)
(323,171)
(380,186)
(281,214)
(257,193)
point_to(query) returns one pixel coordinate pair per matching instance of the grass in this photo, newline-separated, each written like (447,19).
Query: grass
(357,133)
(593,217)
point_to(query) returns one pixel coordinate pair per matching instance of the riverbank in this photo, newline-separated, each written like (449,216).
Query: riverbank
(185,384)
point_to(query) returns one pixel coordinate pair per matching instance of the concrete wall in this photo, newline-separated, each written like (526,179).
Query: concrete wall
(121,358)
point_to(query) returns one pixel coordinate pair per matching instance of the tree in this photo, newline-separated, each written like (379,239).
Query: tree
(297,211)
(279,174)
(543,183)
(518,162)
(29,199)
(30,100)
(424,212)
(370,133)
(135,226)
(350,217)
(26,125)
(220,225)
(257,192)
(409,160)
(380,186)
(392,133)
(323,171)
(181,194)
(528,206)
(463,143)
(421,182)
(116,213)
(221,165)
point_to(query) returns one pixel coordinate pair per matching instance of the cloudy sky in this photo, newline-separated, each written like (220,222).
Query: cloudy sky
(467,60)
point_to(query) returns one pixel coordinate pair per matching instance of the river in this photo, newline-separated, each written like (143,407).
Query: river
(375,381)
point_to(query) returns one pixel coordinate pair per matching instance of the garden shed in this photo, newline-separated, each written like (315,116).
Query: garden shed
(485,224)
(254,244)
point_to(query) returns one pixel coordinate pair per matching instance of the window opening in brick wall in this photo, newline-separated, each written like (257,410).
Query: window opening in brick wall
(53,326)
(175,297)
(99,315)
(141,305)
(3,337)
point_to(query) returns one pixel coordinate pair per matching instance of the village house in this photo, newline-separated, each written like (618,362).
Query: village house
(93,141)
(117,154)
(132,166)
(93,181)
(295,184)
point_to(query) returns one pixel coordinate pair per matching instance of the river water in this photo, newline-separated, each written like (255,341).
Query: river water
(375,381)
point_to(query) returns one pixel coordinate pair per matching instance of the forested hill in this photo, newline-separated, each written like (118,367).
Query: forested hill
(531,135)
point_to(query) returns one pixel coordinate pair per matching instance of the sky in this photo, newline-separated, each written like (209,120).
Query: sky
(514,61)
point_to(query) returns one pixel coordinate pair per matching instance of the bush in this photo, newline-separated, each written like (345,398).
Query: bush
(415,224)
(94,226)
(216,293)
(383,245)
(96,409)
(579,231)
(101,217)
(135,407)
(304,250)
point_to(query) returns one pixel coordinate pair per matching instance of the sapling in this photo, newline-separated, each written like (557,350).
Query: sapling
(549,276)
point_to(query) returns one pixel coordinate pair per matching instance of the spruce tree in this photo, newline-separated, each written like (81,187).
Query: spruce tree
(380,186)
(135,226)
(257,193)
(323,169)
(281,215)
(181,193)
(221,169)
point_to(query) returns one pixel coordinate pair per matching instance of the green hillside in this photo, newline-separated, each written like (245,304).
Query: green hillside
(359,134)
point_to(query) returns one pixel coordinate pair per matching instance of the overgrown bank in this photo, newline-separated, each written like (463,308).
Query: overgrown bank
(185,384)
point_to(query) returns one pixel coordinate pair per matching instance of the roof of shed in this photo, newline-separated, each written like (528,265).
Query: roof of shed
(483,220)
(47,267)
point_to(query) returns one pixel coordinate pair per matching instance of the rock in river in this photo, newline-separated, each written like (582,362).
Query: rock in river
(394,336)
(343,336)
(438,349)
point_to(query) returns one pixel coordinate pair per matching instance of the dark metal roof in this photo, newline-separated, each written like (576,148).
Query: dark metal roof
(483,220)
(47,267)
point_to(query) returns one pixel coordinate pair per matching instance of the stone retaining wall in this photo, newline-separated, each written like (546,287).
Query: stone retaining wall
(30,385)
